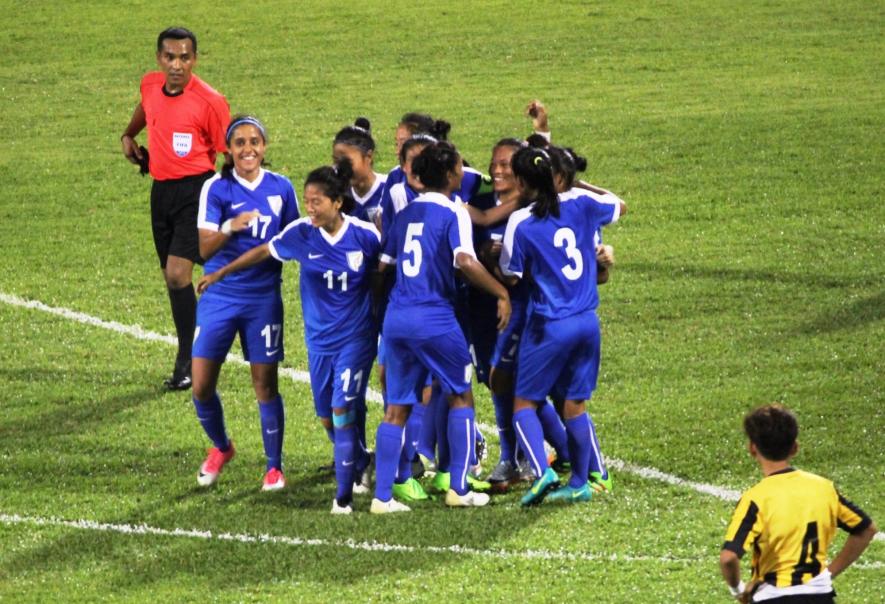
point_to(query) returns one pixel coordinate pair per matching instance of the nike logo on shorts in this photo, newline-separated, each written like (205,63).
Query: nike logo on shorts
(350,398)
(272,352)
(235,206)
(314,256)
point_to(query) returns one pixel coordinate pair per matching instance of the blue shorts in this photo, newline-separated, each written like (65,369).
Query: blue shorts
(339,380)
(507,344)
(481,335)
(560,355)
(258,321)
(410,360)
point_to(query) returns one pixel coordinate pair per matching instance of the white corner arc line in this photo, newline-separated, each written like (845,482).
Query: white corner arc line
(371,395)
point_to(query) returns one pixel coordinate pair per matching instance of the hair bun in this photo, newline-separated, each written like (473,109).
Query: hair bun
(364,123)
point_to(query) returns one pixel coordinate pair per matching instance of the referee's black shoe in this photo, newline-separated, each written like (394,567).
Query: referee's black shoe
(181,377)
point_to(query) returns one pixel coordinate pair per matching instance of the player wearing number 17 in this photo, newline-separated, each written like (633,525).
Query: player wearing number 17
(241,208)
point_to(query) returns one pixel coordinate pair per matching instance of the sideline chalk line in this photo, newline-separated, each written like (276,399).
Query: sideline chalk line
(298,375)
(367,546)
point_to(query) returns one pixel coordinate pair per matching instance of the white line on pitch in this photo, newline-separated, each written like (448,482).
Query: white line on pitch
(371,395)
(368,546)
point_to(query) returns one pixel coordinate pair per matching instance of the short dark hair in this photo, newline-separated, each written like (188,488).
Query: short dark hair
(358,135)
(422,123)
(773,429)
(176,33)
(335,183)
(433,164)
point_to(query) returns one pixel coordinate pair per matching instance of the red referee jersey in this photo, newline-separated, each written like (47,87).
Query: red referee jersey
(186,131)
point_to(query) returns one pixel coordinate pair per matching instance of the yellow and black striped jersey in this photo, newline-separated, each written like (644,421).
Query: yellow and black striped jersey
(789,519)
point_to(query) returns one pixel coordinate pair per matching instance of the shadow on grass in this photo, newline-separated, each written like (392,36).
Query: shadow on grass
(860,313)
(818,280)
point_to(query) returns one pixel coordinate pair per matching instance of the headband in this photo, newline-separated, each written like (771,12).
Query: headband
(244,120)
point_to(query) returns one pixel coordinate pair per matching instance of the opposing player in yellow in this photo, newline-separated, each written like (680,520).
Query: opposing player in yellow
(788,520)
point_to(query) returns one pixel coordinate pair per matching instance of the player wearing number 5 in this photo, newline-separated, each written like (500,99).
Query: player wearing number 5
(788,520)
(559,349)
(242,207)
(337,253)
(428,240)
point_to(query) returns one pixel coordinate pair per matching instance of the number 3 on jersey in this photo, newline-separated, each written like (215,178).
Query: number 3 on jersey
(412,266)
(565,237)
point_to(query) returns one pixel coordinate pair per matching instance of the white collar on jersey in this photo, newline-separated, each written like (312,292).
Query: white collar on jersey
(379,178)
(433,196)
(332,240)
(250,185)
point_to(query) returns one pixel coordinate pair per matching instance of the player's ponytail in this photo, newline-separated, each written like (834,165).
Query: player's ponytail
(534,170)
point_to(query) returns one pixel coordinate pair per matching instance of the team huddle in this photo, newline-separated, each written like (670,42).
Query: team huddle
(431,272)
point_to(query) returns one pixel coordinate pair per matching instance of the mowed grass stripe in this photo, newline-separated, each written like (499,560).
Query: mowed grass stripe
(138,332)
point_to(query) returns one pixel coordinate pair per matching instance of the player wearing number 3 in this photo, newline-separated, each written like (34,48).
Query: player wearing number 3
(242,207)
(553,240)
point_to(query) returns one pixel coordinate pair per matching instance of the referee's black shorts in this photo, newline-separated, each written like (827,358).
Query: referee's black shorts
(174,207)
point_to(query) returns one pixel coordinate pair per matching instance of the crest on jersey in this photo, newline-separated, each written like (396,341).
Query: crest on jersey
(354,260)
(181,143)
(276,203)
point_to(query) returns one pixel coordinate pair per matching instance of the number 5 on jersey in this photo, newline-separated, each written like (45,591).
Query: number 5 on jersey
(412,266)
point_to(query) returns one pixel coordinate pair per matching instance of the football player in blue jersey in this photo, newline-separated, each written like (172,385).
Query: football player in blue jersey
(367,186)
(559,350)
(242,207)
(337,254)
(566,164)
(429,239)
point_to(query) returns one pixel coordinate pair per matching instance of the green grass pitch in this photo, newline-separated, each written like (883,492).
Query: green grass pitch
(747,140)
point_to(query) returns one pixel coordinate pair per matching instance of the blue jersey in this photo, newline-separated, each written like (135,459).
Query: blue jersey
(424,241)
(223,198)
(397,193)
(559,252)
(335,271)
(367,206)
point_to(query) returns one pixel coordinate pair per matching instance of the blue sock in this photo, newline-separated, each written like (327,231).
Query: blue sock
(404,467)
(441,418)
(554,431)
(345,454)
(578,429)
(211,416)
(427,439)
(273,424)
(531,438)
(461,434)
(413,431)
(388,445)
(504,419)
(596,462)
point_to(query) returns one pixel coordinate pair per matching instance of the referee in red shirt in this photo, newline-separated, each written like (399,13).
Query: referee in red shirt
(186,121)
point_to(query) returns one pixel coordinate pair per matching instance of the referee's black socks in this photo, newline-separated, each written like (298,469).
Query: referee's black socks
(184,314)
